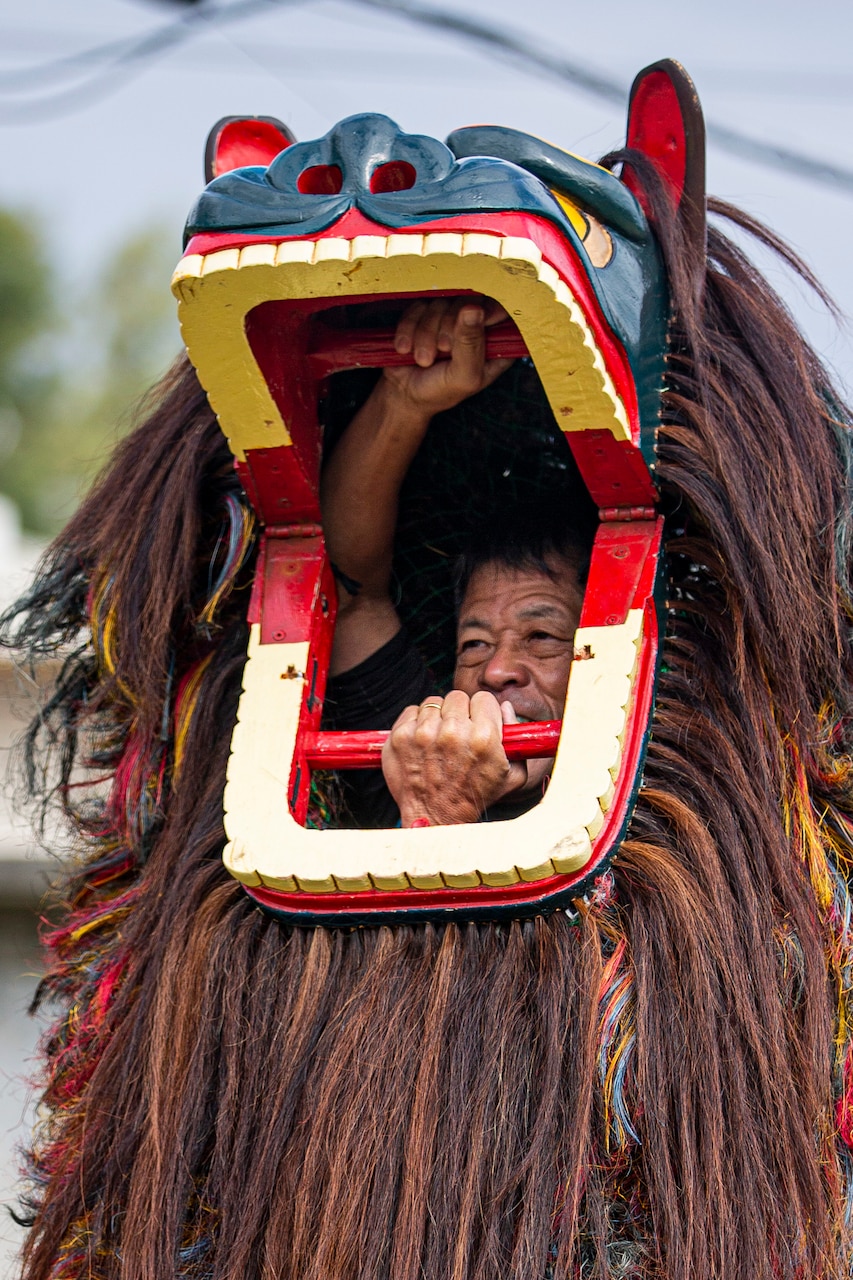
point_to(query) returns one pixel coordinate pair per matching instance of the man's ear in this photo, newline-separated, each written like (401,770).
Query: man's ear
(665,122)
(235,141)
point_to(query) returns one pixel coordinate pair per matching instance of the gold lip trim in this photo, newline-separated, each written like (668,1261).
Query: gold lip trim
(216,292)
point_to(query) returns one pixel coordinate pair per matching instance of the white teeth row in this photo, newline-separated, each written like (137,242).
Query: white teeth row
(518,250)
(338,249)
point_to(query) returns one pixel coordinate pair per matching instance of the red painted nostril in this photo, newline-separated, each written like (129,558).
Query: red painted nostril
(320,180)
(396,175)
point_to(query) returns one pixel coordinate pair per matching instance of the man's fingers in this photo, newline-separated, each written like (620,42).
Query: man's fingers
(447,327)
(517,776)
(469,349)
(425,329)
(431,706)
(500,714)
(486,710)
(469,325)
(406,326)
(438,316)
(444,760)
(456,706)
(406,715)
(495,313)
(425,341)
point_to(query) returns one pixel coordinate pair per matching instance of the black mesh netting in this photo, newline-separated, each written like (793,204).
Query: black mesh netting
(497,450)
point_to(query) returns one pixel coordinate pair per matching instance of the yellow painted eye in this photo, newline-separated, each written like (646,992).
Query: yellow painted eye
(572,212)
(598,242)
(595,236)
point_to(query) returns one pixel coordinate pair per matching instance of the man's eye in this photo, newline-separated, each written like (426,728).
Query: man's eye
(471,651)
(545,643)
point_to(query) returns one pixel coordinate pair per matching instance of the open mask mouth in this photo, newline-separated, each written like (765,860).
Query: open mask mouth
(267,317)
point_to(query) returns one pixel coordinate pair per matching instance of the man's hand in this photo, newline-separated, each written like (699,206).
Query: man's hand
(444,326)
(444,761)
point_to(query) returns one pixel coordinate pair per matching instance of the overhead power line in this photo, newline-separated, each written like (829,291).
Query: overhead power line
(106,67)
(611,90)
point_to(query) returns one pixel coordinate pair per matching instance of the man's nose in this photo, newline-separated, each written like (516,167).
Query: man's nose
(504,669)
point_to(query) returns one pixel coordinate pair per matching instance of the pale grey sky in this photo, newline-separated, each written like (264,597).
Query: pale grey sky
(777,69)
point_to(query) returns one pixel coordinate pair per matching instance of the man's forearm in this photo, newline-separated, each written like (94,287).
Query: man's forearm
(361,486)
(362,479)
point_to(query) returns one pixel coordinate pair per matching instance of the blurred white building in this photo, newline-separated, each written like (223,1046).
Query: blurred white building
(24,875)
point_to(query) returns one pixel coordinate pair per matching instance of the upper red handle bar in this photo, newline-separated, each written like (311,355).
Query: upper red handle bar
(332,350)
(535,741)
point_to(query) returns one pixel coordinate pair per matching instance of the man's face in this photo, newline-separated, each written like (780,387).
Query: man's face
(516,640)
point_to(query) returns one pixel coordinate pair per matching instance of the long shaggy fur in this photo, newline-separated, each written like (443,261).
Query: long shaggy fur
(659,1088)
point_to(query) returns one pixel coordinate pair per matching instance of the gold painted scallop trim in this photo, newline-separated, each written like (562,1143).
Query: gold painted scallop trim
(216,292)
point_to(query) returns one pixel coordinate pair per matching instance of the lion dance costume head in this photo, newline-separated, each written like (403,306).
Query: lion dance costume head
(608,1038)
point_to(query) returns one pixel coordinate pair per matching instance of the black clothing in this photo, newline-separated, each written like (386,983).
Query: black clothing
(371,696)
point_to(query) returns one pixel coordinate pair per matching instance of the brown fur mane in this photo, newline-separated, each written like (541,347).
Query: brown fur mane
(648,1091)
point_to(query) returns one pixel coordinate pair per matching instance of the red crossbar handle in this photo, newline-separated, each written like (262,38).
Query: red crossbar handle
(535,741)
(332,350)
